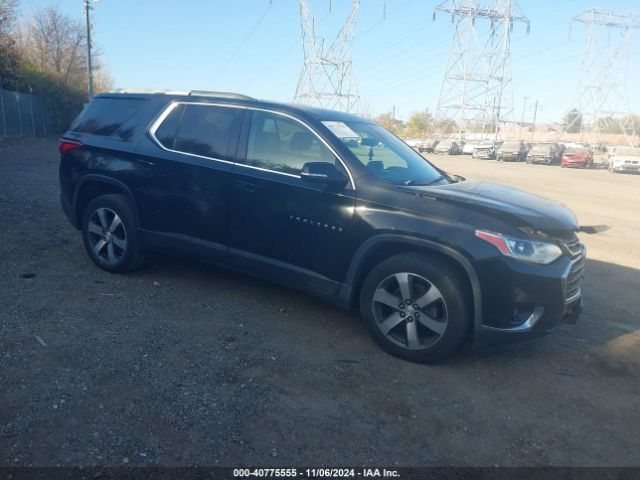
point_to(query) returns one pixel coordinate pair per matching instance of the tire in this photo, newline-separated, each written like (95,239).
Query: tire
(434,330)
(110,234)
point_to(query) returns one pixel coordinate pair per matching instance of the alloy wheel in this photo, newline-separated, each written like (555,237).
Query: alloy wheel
(107,235)
(410,310)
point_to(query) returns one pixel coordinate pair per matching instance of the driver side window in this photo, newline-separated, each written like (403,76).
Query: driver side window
(283,145)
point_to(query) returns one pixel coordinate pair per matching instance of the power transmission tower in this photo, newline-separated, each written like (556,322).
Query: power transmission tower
(326,79)
(476,90)
(602,100)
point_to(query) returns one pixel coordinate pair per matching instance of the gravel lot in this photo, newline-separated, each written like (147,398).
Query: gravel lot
(181,363)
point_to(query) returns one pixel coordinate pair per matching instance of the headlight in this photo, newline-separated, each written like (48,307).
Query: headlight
(542,253)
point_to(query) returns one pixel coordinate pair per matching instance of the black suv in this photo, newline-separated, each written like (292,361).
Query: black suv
(325,202)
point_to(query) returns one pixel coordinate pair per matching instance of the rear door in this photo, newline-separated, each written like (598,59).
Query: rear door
(185,191)
(281,224)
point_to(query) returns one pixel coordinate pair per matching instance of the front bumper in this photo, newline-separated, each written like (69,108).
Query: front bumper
(522,301)
(543,160)
(509,157)
(625,167)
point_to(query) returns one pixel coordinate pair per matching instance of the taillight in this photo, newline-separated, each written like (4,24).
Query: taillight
(67,145)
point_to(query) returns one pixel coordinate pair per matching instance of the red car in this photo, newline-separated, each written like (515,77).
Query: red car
(578,157)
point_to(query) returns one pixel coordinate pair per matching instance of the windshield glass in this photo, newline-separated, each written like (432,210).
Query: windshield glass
(541,147)
(629,152)
(511,145)
(577,150)
(384,154)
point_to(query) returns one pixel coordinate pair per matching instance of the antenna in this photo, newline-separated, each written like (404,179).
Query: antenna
(327,79)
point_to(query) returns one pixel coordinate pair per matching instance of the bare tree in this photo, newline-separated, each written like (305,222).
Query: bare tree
(8,54)
(8,9)
(54,43)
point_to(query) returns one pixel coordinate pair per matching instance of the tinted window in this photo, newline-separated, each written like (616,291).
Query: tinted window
(104,116)
(284,145)
(166,132)
(208,131)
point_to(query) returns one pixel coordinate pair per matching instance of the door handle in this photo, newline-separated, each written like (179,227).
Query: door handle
(247,186)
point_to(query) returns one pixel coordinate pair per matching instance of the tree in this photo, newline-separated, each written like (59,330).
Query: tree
(419,124)
(55,43)
(446,126)
(625,124)
(392,124)
(572,121)
(8,53)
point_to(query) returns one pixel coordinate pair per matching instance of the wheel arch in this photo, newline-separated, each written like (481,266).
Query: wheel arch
(382,246)
(91,186)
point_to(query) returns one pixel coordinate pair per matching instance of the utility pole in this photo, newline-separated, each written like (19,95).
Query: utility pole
(87,8)
(535,115)
(524,109)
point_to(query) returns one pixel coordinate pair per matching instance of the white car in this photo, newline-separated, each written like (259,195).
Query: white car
(468,148)
(624,159)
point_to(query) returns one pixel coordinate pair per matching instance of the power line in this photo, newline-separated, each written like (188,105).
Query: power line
(244,41)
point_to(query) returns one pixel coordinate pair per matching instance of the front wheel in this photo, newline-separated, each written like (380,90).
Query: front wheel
(416,307)
(110,234)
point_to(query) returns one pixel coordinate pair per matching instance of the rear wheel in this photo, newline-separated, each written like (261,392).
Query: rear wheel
(110,234)
(416,307)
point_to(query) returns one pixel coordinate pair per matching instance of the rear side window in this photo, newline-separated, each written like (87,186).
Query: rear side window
(283,145)
(105,116)
(208,131)
(166,132)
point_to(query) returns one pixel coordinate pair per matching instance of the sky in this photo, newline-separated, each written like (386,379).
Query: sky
(254,47)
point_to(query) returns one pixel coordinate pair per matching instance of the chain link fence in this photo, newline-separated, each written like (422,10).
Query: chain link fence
(22,115)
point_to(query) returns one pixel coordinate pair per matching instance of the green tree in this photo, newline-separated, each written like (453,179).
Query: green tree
(392,124)
(419,124)
(446,126)
(572,121)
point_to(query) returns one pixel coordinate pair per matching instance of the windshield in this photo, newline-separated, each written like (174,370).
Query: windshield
(628,152)
(541,147)
(511,145)
(577,150)
(384,154)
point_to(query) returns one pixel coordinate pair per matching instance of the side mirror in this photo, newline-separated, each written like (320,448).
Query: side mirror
(323,172)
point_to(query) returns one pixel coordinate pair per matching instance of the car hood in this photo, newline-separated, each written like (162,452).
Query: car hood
(625,158)
(534,211)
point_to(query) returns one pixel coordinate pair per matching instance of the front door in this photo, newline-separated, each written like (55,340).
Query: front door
(281,223)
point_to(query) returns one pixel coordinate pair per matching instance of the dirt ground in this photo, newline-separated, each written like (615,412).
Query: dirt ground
(181,363)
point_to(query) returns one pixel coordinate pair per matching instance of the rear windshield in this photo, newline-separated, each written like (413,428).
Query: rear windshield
(105,116)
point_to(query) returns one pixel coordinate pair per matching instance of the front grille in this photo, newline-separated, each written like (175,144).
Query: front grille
(574,246)
(574,279)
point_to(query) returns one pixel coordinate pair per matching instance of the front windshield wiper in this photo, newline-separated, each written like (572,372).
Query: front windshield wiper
(417,183)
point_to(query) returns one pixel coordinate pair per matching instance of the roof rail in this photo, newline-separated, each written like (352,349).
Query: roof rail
(207,93)
(150,90)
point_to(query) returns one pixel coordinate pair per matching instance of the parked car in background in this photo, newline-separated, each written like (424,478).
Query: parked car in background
(511,152)
(577,157)
(608,152)
(449,147)
(624,159)
(416,143)
(429,144)
(485,150)
(546,153)
(469,147)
